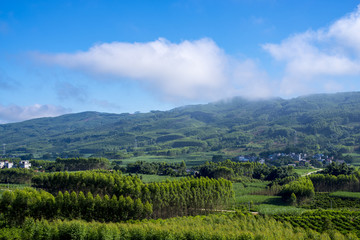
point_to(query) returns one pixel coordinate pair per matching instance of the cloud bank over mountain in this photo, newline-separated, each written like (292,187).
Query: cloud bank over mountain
(14,113)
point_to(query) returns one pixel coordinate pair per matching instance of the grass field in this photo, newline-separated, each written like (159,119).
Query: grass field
(271,209)
(346,194)
(258,199)
(245,198)
(249,188)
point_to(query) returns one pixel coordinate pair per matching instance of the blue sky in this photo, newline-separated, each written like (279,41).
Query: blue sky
(63,56)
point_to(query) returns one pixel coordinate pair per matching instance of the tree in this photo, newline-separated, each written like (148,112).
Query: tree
(293,199)
(302,188)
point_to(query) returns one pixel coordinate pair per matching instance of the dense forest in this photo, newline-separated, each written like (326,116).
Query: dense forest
(323,122)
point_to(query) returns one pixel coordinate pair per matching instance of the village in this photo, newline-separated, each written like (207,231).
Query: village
(292,159)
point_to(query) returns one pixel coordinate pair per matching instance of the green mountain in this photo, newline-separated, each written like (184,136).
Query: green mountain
(312,123)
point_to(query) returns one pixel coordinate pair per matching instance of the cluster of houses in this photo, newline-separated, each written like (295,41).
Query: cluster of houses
(8,164)
(299,158)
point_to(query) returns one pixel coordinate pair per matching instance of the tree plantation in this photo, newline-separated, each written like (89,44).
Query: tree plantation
(186,196)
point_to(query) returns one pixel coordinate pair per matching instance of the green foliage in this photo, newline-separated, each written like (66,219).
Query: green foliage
(235,169)
(331,183)
(302,188)
(176,198)
(78,164)
(18,205)
(160,168)
(16,175)
(46,165)
(232,170)
(235,226)
(338,169)
(348,200)
(344,221)
(293,199)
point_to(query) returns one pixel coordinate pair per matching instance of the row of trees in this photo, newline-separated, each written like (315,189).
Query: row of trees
(338,169)
(186,196)
(229,170)
(94,181)
(332,183)
(17,205)
(16,175)
(336,177)
(176,169)
(71,164)
(79,164)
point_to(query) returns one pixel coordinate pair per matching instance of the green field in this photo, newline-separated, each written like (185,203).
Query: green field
(272,209)
(257,199)
(345,194)
(249,187)
(247,196)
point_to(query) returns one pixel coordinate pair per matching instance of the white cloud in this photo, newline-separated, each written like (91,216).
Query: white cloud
(15,113)
(190,70)
(318,55)
(250,81)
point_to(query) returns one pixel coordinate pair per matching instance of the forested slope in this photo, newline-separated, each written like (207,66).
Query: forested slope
(312,123)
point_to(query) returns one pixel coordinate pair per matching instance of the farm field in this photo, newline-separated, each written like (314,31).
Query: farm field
(247,197)
(241,189)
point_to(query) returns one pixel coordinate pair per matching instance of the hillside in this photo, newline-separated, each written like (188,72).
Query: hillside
(313,123)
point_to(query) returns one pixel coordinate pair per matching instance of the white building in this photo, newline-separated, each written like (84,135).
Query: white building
(8,164)
(25,164)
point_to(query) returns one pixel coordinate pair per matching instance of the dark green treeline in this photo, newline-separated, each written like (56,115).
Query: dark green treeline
(20,204)
(331,183)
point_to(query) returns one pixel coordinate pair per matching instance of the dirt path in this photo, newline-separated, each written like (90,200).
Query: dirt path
(307,174)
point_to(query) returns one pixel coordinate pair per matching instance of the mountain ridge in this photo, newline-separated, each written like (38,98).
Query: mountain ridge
(319,121)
